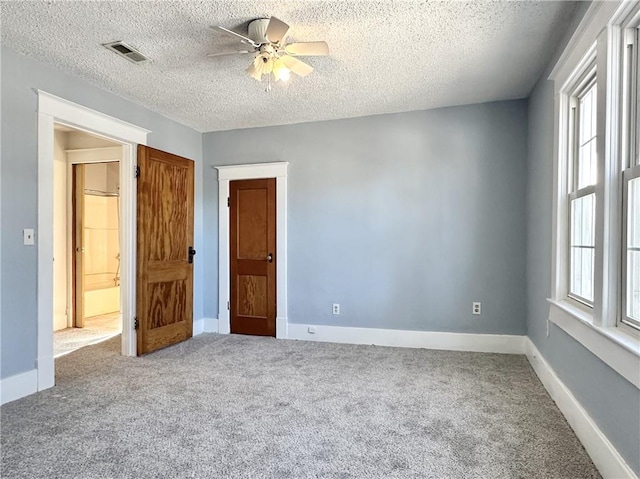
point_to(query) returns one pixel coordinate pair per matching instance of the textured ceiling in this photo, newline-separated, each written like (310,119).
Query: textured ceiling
(386,56)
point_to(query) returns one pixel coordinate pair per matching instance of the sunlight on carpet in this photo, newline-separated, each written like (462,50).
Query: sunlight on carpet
(96,330)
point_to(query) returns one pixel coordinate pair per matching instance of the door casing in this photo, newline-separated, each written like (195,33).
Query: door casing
(252,172)
(52,109)
(77,241)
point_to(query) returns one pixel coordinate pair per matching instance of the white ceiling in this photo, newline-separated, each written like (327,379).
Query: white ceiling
(386,56)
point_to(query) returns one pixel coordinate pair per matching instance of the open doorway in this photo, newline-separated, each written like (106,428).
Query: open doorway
(54,110)
(87,305)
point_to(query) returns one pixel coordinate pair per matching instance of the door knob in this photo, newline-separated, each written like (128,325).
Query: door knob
(270,258)
(80,249)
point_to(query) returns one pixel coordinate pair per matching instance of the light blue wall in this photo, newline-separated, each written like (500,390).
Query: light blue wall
(20,76)
(403,219)
(612,401)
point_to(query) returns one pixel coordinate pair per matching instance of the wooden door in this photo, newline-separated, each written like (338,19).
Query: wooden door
(78,246)
(252,215)
(164,290)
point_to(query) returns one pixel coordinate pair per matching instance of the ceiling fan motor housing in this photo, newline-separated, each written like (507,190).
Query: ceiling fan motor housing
(257,30)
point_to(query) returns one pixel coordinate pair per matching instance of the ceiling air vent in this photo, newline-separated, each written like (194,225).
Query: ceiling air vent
(126,51)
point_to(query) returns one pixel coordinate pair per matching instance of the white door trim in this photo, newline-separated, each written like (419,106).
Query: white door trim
(250,172)
(52,109)
(105,154)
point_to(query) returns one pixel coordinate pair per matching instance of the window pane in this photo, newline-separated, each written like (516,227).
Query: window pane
(633,250)
(582,255)
(587,139)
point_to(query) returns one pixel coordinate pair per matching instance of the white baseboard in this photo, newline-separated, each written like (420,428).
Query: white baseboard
(46,371)
(198,326)
(205,325)
(210,325)
(18,386)
(485,343)
(604,455)
(224,322)
(282,328)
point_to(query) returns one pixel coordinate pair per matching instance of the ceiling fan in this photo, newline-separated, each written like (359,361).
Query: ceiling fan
(265,39)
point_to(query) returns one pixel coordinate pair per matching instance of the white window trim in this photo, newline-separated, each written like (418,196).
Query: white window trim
(562,170)
(596,330)
(249,172)
(616,348)
(630,144)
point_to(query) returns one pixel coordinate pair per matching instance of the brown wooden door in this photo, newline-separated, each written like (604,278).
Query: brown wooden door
(164,296)
(78,246)
(253,264)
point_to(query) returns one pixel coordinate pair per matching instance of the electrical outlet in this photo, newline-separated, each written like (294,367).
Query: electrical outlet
(336,308)
(477,308)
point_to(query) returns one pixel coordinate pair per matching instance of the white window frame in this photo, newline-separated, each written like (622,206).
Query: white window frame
(626,321)
(630,143)
(598,39)
(587,78)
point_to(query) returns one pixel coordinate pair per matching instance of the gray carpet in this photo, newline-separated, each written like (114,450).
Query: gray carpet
(248,407)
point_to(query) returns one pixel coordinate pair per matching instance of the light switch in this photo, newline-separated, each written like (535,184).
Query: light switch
(28,236)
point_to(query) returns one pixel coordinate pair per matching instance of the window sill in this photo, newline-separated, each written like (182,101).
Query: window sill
(619,350)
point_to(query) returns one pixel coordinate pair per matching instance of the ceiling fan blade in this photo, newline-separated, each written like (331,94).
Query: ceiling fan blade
(276,30)
(238,36)
(308,49)
(296,66)
(221,54)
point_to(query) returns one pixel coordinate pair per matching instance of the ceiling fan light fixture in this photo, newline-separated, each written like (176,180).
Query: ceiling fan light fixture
(284,74)
(253,73)
(272,55)
(263,63)
(280,72)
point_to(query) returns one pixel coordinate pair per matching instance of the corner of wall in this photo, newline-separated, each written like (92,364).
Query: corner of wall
(603,453)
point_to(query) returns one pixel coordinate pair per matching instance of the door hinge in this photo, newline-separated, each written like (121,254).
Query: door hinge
(136,324)
(136,173)
(228,201)
(228,305)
